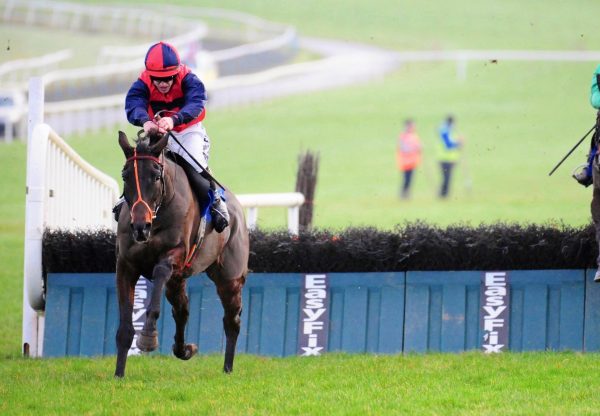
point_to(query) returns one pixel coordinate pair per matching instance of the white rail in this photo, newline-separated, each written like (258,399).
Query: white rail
(78,195)
(93,18)
(463,57)
(291,200)
(63,191)
(22,69)
(116,53)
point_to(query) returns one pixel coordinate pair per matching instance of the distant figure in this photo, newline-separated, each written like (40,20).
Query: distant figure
(449,153)
(408,155)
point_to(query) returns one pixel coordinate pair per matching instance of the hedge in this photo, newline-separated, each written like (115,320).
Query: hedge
(412,246)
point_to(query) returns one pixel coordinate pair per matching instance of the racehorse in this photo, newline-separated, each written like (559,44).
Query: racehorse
(159,236)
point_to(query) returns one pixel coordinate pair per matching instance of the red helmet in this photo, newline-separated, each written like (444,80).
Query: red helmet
(162,60)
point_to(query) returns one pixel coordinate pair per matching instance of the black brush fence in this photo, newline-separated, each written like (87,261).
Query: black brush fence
(409,247)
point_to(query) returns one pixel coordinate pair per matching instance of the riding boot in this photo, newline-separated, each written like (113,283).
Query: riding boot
(200,185)
(584,176)
(117,208)
(219,212)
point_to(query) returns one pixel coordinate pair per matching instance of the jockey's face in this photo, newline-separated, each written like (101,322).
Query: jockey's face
(163,84)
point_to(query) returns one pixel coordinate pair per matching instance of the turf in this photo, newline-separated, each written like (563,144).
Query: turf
(445,384)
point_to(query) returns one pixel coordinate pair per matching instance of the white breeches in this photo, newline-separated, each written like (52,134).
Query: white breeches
(196,142)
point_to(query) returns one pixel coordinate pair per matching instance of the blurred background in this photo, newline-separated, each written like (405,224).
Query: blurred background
(337,78)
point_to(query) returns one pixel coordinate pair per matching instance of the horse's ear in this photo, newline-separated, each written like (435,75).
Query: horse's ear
(124,143)
(158,147)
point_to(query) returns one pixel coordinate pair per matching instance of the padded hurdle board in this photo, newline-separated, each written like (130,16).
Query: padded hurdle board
(366,313)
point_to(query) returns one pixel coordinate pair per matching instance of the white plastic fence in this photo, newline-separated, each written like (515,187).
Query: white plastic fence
(63,191)
(463,57)
(93,18)
(21,70)
(291,200)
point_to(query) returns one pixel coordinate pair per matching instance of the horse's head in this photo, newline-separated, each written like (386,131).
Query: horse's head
(143,183)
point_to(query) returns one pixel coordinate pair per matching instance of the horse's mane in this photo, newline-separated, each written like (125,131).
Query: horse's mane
(143,146)
(144,143)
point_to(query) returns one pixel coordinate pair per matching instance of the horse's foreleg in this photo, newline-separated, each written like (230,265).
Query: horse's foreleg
(125,333)
(230,293)
(181,311)
(148,339)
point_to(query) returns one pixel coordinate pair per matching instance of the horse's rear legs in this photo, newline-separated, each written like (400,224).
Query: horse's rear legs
(181,311)
(230,293)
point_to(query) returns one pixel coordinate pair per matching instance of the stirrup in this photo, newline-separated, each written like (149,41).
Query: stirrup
(117,208)
(581,176)
(219,221)
(220,217)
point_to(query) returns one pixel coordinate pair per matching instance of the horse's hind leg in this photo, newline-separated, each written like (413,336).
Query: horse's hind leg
(180,302)
(148,338)
(230,293)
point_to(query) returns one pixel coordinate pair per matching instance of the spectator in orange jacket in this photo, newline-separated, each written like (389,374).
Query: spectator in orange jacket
(408,155)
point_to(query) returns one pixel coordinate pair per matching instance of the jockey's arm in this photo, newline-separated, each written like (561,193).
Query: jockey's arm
(194,100)
(136,103)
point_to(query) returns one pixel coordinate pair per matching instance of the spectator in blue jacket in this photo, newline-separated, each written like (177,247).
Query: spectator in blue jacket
(448,153)
(168,96)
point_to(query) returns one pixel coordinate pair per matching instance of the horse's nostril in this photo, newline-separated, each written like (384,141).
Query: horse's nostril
(147,226)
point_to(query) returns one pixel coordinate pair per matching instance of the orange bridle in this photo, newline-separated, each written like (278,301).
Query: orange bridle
(150,214)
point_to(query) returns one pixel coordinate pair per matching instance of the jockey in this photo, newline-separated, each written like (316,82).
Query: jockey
(167,96)
(584,176)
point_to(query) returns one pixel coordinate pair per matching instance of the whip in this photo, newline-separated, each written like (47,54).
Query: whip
(211,177)
(571,151)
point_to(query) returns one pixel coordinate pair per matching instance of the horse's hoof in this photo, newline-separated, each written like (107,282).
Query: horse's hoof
(597,276)
(188,352)
(147,341)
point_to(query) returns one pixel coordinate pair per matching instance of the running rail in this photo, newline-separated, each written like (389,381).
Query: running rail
(63,191)
(291,200)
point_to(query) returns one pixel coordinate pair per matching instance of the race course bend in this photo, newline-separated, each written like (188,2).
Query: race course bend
(346,63)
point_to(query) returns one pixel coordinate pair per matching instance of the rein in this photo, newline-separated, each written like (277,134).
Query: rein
(140,200)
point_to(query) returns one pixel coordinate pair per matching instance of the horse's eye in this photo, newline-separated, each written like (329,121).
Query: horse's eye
(157,178)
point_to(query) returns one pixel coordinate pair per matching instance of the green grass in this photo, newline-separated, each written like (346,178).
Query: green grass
(450,24)
(19,41)
(337,384)
(12,228)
